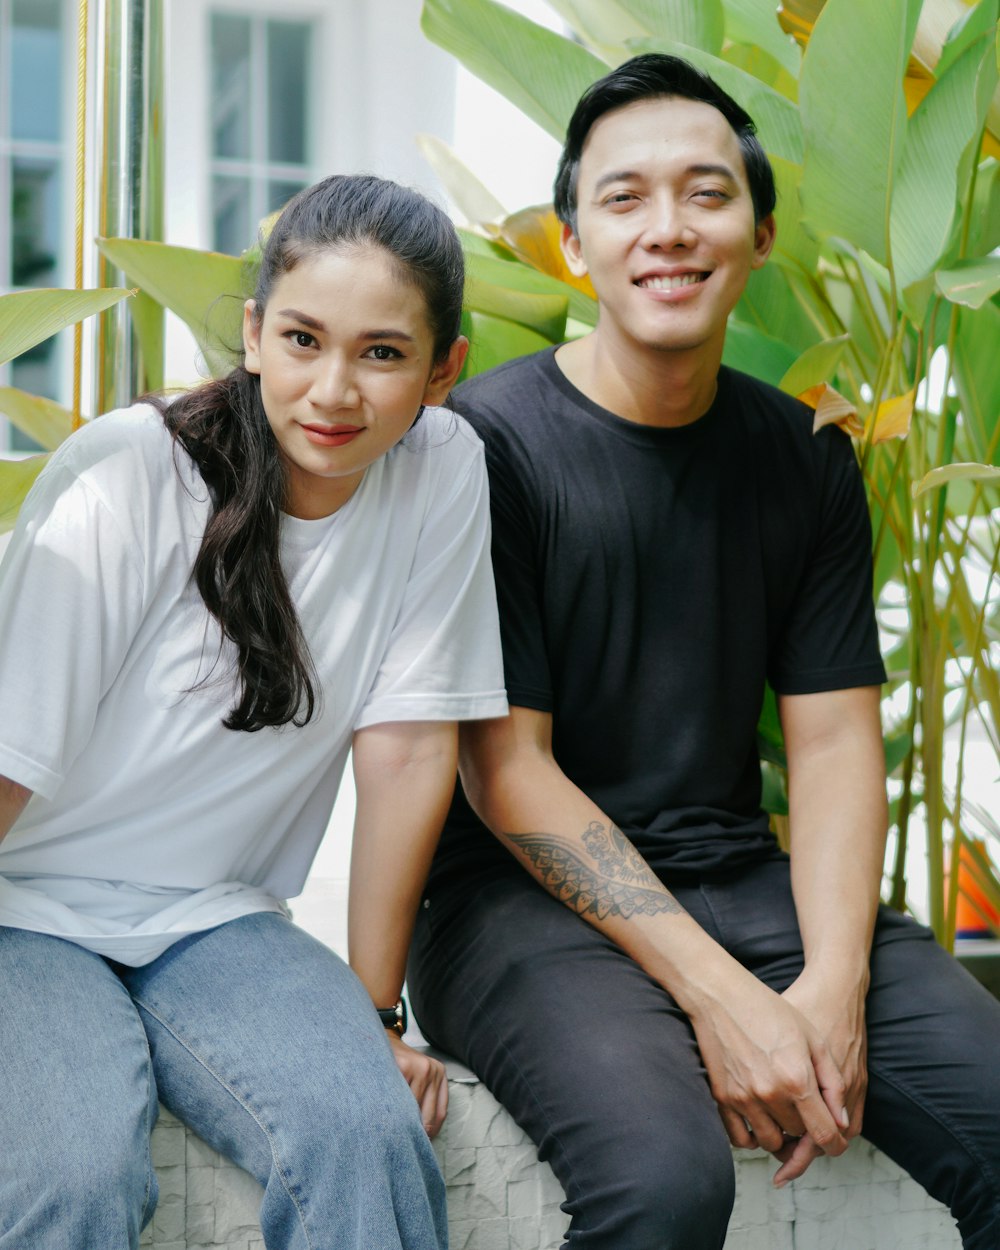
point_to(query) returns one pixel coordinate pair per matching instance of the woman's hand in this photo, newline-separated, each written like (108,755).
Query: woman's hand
(427,1080)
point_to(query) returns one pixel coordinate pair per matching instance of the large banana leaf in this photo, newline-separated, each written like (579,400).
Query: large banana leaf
(976,368)
(755,22)
(776,117)
(16,478)
(47,422)
(940,135)
(699,25)
(854,117)
(475,201)
(536,69)
(752,351)
(30,317)
(204,289)
(970,282)
(494,341)
(515,276)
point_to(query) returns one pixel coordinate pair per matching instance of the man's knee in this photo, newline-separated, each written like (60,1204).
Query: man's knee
(650,1191)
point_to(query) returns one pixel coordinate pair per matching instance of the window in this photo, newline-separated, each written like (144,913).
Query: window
(259,119)
(34,177)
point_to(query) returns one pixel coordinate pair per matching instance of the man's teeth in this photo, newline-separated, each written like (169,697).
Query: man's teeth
(670,284)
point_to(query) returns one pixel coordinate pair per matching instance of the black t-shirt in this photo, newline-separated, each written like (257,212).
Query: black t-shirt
(650,581)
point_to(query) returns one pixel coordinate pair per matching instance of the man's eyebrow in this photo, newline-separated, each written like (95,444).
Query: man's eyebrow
(627,175)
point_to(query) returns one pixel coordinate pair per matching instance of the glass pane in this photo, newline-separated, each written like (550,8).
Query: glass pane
(231,87)
(35,233)
(232,229)
(36,69)
(287,91)
(279,193)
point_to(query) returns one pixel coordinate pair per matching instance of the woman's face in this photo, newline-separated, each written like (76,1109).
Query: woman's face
(345,357)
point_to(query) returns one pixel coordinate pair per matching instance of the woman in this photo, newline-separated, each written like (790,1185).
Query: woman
(205,604)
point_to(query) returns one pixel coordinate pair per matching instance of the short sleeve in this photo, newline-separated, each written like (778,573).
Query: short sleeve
(519,594)
(830,638)
(442,660)
(70,598)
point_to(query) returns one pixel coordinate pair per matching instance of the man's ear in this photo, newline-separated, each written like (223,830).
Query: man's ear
(570,245)
(445,372)
(763,240)
(251,337)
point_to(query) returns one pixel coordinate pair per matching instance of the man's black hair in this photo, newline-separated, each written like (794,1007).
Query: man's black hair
(646,77)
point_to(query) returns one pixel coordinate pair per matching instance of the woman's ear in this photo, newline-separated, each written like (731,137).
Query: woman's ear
(445,372)
(251,337)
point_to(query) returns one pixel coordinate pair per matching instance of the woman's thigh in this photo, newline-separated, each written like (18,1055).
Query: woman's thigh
(269,1047)
(591,1058)
(77,1100)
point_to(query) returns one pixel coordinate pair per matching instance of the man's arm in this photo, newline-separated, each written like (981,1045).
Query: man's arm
(838,822)
(405,777)
(767,1066)
(13,800)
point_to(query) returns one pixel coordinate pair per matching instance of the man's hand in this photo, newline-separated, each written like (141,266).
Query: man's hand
(427,1080)
(840,1021)
(771,1074)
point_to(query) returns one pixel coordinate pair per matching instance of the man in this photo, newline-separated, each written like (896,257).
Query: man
(641,976)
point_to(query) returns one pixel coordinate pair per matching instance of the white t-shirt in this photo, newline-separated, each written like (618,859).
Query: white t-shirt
(149,819)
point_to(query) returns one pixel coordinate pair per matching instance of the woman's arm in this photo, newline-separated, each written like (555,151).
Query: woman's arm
(405,775)
(13,800)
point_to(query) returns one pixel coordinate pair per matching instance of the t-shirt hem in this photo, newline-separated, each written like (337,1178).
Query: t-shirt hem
(536,700)
(830,679)
(485,706)
(28,773)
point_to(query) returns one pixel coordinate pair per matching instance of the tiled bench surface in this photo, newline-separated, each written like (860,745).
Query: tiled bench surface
(501,1198)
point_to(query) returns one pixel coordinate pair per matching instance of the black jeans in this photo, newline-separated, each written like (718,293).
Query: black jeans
(599,1065)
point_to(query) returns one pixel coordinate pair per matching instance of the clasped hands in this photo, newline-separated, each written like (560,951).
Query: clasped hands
(787,1071)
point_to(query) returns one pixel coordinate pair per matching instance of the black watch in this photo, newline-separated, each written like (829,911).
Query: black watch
(394,1017)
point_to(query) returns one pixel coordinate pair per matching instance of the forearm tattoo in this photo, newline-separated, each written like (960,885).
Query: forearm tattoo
(616,881)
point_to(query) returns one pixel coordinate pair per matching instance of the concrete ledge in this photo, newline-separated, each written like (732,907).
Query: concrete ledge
(501,1198)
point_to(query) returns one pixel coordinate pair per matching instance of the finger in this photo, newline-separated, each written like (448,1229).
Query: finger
(737,1129)
(768,1132)
(429,1108)
(795,1160)
(831,1084)
(817,1117)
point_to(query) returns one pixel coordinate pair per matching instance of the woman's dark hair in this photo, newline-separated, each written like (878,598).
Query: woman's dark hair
(223,427)
(646,77)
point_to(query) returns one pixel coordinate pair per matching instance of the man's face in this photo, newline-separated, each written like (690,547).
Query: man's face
(665,224)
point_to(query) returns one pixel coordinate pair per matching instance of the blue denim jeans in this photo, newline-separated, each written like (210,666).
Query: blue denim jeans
(254,1034)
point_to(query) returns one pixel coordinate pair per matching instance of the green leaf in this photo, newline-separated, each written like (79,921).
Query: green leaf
(980,20)
(537,70)
(47,422)
(977,377)
(472,199)
(603,25)
(956,473)
(897,748)
(756,353)
(147,317)
(970,282)
(817,364)
(494,341)
(984,220)
(854,117)
(545,314)
(756,22)
(773,795)
(16,478)
(204,289)
(947,121)
(776,118)
(30,317)
(698,25)
(792,243)
(515,276)
(770,306)
(762,66)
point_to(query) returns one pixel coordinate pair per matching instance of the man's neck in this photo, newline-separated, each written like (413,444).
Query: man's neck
(660,388)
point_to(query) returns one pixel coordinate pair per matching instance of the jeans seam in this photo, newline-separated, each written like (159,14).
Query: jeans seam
(285,1181)
(148,1126)
(983,1163)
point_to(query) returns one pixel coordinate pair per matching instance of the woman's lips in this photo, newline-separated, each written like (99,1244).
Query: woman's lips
(331,435)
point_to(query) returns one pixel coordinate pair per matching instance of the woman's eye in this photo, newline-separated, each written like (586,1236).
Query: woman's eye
(382,351)
(300,338)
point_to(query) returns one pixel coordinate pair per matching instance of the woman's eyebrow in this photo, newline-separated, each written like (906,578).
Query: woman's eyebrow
(388,334)
(293,314)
